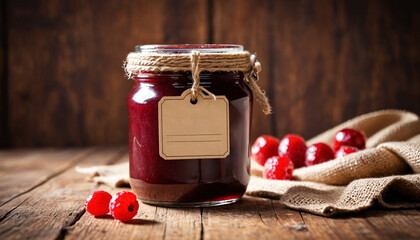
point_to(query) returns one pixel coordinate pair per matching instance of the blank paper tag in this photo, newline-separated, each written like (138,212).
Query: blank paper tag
(193,131)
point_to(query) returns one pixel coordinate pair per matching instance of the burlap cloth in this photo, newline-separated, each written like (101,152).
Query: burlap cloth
(386,173)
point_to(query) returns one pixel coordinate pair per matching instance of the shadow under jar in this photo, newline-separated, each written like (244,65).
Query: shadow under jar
(187,182)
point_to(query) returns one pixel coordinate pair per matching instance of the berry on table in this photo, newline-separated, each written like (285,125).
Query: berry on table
(124,206)
(346,150)
(318,153)
(264,147)
(293,147)
(278,168)
(97,203)
(349,137)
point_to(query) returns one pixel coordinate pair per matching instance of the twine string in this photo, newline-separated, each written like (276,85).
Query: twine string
(195,71)
(251,79)
(197,62)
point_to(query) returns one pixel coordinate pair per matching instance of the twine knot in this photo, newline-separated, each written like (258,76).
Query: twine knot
(195,72)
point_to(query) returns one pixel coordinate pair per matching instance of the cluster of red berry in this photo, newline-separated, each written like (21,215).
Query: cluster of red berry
(123,205)
(280,158)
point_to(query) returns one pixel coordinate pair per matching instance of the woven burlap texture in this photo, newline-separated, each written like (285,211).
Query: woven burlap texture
(386,173)
(382,173)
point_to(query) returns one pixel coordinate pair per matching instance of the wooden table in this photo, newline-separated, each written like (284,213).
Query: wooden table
(42,197)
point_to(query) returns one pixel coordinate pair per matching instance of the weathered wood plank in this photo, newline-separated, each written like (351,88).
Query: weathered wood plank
(344,227)
(45,211)
(394,224)
(323,61)
(251,218)
(4,130)
(70,89)
(22,170)
(303,62)
(372,224)
(54,210)
(334,60)
(249,23)
(143,226)
(292,220)
(150,223)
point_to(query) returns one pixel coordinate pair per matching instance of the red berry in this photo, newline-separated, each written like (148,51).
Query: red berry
(97,204)
(343,151)
(318,153)
(293,147)
(264,147)
(124,206)
(349,137)
(278,168)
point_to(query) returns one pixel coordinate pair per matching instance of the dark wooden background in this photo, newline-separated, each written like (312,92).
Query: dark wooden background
(324,61)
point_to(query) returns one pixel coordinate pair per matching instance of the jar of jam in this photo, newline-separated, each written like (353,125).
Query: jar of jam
(191,182)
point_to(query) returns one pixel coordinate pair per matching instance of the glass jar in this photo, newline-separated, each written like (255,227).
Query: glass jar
(187,182)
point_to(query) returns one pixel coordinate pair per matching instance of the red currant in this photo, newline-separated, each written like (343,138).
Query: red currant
(349,137)
(318,153)
(264,147)
(278,168)
(124,206)
(293,147)
(97,204)
(343,151)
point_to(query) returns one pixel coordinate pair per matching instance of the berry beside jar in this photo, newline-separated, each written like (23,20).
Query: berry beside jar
(281,157)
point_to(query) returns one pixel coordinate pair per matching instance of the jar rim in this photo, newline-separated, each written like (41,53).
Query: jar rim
(187,48)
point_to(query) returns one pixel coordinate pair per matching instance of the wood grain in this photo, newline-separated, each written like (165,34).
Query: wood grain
(340,228)
(252,218)
(336,60)
(249,23)
(45,211)
(25,170)
(405,223)
(66,80)
(323,61)
(54,209)
(373,224)
(150,223)
(4,132)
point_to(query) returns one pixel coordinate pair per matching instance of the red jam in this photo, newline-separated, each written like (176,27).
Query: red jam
(187,182)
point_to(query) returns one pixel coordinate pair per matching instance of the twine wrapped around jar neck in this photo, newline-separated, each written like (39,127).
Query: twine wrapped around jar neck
(197,62)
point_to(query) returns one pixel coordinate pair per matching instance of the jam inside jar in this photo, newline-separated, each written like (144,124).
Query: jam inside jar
(187,182)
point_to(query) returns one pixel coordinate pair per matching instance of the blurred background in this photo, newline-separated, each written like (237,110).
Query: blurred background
(325,61)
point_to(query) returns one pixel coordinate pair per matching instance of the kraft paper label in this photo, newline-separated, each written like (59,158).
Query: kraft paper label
(190,130)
